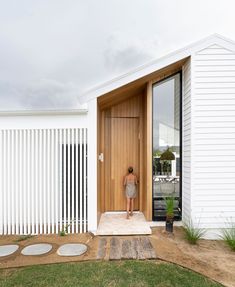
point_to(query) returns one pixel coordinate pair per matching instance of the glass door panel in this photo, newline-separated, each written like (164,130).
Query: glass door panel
(166,145)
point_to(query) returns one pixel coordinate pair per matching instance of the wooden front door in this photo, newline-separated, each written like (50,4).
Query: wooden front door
(122,151)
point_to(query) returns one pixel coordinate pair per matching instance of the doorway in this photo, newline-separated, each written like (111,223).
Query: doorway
(121,144)
(122,150)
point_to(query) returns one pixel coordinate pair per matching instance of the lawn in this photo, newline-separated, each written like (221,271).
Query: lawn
(121,273)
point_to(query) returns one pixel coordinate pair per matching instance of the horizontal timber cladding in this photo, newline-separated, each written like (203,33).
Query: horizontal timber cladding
(214,136)
(43,181)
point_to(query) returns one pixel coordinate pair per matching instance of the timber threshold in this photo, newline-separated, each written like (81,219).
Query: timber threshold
(115,223)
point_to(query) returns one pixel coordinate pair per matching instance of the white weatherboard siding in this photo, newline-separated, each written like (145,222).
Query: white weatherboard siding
(213,154)
(186,142)
(40,175)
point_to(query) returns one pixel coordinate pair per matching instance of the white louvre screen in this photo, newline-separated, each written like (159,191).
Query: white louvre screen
(43,181)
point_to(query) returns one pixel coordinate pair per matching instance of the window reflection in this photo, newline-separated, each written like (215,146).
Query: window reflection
(166,137)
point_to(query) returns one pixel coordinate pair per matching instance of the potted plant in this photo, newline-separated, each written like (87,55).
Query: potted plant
(169,213)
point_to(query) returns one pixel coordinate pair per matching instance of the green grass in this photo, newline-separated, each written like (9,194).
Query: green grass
(228,235)
(119,273)
(23,237)
(193,234)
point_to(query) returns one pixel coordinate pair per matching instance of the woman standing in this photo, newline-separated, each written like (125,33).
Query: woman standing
(130,183)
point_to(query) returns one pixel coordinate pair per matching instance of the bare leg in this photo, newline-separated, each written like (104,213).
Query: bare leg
(132,205)
(127,207)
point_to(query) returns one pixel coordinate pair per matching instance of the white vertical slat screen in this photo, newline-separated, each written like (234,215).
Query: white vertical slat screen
(43,181)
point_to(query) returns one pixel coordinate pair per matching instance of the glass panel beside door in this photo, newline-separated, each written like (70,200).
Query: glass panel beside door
(167,145)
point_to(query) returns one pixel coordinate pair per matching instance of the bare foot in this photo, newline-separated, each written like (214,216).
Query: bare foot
(131,214)
(127,216)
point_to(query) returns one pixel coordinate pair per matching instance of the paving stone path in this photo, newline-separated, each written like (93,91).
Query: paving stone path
(37,249)
(116,248)
(6,250)
(72,249)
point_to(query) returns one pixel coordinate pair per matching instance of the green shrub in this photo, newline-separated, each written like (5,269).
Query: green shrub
(228,235)
(169,206)
(63,233)
(193,234)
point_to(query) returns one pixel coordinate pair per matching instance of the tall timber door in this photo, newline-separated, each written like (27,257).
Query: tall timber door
(122,151)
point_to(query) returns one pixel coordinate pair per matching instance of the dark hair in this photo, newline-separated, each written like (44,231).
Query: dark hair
(130,169)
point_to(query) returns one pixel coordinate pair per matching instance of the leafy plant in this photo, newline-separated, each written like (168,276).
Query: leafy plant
(192,233)
(228,235)
(169,207)
(64,231)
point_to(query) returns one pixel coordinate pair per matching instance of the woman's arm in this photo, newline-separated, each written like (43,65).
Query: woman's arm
(124,182)
(136,180)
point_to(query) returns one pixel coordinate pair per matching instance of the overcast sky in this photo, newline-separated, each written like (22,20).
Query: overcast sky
(53,50)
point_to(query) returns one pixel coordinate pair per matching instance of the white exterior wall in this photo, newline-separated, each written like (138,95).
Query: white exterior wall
(31,170)
(213,138)
(92,166)
(186,141)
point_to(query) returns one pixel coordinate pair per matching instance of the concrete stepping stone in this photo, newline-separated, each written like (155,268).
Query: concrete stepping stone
(72,249)
(37,249)
(6,250)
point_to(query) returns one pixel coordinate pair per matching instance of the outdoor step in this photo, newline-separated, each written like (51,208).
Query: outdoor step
(123,248)
(128,250)
(102,246)
(148,248)
(115,249)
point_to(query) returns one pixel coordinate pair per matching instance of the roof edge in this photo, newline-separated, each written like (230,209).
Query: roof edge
(152,66)
(43,112)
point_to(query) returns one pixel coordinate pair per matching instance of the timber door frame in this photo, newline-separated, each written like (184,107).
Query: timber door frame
(102,115)
(110,166)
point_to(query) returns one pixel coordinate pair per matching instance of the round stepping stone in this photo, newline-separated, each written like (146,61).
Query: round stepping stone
(73,249)
(6,250)
(37,249)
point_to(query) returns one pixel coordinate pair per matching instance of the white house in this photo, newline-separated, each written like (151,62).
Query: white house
(66,167)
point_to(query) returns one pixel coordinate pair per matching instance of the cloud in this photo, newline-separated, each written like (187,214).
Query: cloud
(122,53)
(50,94)
(52,50)
(9,97)
(44,94)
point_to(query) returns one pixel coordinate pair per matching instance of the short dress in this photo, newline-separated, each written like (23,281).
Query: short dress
(130,185)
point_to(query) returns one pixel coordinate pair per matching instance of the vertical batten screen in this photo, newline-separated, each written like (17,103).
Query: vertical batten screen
(43,181)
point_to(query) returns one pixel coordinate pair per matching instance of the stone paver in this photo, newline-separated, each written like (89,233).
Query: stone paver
(117,224)
(37,249)
(6,250)
(72,249)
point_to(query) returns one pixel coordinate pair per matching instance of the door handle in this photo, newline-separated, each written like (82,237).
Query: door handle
(101,157)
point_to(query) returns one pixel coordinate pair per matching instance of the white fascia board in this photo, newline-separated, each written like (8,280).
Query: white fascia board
(82,111)
(155,65)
